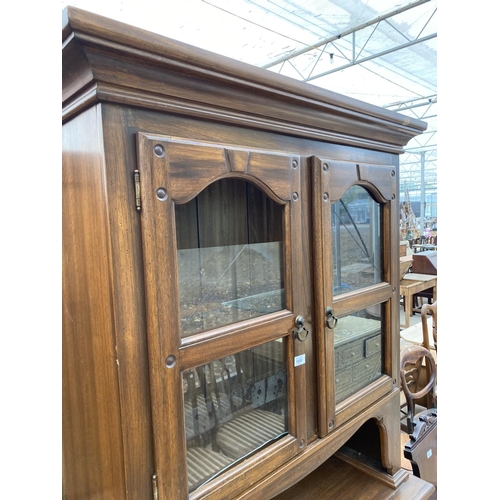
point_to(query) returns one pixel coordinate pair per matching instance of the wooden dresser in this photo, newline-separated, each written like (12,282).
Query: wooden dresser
(230,277)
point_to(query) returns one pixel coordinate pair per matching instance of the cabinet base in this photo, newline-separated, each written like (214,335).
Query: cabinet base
(339,479)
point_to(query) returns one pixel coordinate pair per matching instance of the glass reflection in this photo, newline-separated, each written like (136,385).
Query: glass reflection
(356,241)
(358,340)
(232,407)
(230,256)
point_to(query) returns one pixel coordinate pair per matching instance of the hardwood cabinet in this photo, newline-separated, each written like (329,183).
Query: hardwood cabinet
(230,273)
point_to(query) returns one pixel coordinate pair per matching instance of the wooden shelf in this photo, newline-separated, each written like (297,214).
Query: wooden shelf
(337,479)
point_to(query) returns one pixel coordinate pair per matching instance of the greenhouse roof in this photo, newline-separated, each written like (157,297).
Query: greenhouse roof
(379,51)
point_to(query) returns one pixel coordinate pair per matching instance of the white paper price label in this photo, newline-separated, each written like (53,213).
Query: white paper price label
(299,360)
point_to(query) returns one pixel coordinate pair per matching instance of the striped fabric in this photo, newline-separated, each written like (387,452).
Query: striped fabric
(202,464)
(247,432)
(201,418)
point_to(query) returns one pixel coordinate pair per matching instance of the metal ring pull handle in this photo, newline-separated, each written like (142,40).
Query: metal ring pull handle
(331,320)
(300,333)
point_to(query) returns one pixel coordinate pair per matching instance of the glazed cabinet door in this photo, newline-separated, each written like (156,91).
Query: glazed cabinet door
(221,241)
(354,216)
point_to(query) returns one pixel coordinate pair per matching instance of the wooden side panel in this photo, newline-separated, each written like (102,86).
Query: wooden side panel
(129,303)
(92,441)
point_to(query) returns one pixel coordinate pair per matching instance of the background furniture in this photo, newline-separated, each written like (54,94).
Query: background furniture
(412,284)
(404,265)
(223,226)
(418,382)
(425,262)
(421,449)
(429,310)
(421,422)
(424,247)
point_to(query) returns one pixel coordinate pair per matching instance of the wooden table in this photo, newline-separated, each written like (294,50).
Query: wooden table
(411,284)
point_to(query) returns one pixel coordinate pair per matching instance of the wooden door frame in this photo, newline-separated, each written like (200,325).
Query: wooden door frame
(331,179)
(162,166)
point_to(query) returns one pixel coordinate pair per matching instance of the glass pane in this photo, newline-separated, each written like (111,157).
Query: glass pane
(358,341)
(356,241)
(230,256)
(232,407)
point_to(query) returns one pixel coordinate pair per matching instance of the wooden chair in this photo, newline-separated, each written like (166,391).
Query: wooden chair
(417,364)
(421,421)
(429,310)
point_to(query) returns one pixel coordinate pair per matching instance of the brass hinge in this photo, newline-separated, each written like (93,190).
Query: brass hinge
(155,487)
(137,182)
